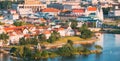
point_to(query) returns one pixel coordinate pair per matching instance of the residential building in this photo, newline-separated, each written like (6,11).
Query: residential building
(51,11)
(47,33)
(91,22)
(115,12)
(78,12)
(14,16)
(61,31)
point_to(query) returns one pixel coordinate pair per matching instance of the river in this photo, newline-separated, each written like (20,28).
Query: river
(111,51)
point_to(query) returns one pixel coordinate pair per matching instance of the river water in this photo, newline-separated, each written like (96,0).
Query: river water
(111,51)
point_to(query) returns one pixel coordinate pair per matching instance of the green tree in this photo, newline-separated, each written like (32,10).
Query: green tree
(42,37)
(33,41)
(4,37)
(84,26)
(44,54)
(106,10)
(98,47)
(73,23)
(37,55)
(13,50)
(27,52)
(66,50)
(70,42)
(54,36)
(85,32)
(22,41)
(19,23)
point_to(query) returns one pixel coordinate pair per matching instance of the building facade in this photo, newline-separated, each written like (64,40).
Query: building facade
(35,5)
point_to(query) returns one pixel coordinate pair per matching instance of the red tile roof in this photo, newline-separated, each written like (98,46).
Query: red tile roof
(92,8)
(42,19)
(13,28)
(50,10)
(46,32)
(78,10)
(59,29)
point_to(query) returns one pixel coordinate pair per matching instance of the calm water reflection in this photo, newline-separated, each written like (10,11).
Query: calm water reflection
(111,51)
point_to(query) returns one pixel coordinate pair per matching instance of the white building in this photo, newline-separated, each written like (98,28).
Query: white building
(24,12)
(61,31)
(14,16)
(34,5)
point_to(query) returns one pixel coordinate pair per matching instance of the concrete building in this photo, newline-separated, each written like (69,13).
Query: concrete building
(35,5)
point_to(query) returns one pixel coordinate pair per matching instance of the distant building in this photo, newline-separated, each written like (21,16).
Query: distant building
(115,12)
(35,5)
(78,12)
(14,16)
(91,22)
(73,4)
(56,5)
(25,12)
(51,11)
(95,12)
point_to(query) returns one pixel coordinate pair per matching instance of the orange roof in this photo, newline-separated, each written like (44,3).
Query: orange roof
(42,19)
(91,8)
(9,29)
(46,32)
(40,27)
(11,34)
(50,10)
(13,28)
(60,29)
(65,10)
(27,35)
(78,10)
(18,31)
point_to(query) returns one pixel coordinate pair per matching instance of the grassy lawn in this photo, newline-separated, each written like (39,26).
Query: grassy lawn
(65,39)
(73,38)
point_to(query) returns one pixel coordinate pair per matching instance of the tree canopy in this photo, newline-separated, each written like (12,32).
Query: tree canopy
(85,32)
(54,37)
(19,23)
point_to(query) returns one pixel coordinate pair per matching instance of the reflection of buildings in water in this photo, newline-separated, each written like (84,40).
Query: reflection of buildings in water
(1,57)
(117,40)
(100,41)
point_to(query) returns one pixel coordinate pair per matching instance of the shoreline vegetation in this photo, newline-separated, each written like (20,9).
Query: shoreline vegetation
(52,54)
(67,49)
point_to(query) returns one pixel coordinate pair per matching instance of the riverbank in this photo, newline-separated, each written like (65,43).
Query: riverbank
(66,50)
(63,41)
(60,44)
